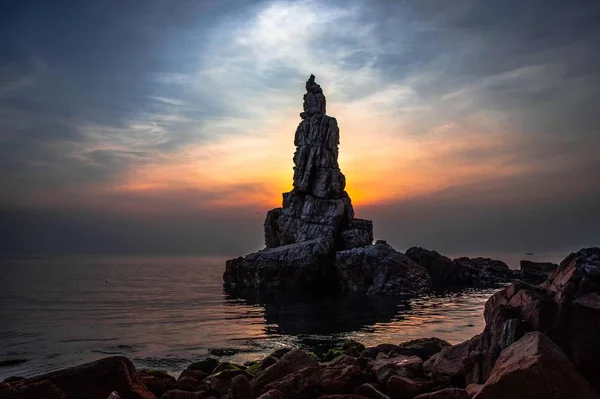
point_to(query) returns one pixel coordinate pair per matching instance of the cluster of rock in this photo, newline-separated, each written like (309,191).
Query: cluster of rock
(539,342)
(314,239)
(470,272)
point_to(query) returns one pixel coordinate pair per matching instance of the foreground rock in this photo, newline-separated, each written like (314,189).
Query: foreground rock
(566,308)
(314,241)
(96,380)
(536,272)
(535,367)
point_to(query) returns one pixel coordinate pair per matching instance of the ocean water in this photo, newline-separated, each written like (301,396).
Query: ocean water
(167,312)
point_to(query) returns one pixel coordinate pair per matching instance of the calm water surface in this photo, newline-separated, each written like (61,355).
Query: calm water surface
(167,312)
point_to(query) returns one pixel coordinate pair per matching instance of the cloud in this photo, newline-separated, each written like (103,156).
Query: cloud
(196,103)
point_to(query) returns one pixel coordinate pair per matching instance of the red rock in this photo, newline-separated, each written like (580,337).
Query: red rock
(448,393)
(240,388)
(220,382)
(95,380)
(406,388)
(448,365)
(157,382)
(292,361)
(473,389)
(349,396)
(535,368)
(404,366)
(312,382)
(179,394)
(272,394)
(369,391)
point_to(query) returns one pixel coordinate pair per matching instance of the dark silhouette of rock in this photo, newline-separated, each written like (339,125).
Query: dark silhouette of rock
(461,272)
(536,272)
(379,269)
(95,380)
(317,220)
(535,367)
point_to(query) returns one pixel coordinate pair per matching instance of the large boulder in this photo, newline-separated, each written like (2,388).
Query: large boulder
(379,269)
(443,270)
(536,272)
(566,308)
(95,380)
(485,271)
(290,266)
(292,361)
(315,381)
(534,367)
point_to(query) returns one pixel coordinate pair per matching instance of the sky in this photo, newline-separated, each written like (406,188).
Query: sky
(166,128)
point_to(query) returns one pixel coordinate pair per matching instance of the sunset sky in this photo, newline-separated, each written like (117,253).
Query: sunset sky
(166,127)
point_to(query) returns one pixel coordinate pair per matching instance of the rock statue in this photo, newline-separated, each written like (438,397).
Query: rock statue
(307,239)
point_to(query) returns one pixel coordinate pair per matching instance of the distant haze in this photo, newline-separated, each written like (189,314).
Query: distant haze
(167,127)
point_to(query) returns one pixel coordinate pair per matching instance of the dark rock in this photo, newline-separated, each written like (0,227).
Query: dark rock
(13,379)
(448,393)
(279,353)
(422,347)
(289,266)
(485,271)
(443,270)
(292,361)
(95,380)
(473,389)
(382,242)
(536,272)
(219,383)
(535,367)
(379,269)
(447,366)
(240,388)
(406,388)
(359,233)
(207,365)
(316,217)
(179,394)
(403,366)
(566,308)
(272,394)
(227,366)
(369,391)
(343,396)
(314,381)
(157,382)
(220,352)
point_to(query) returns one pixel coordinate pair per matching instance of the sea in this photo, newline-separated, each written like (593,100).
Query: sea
(164,313)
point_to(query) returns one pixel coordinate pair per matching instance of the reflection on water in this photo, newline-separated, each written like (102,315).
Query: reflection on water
(165,313)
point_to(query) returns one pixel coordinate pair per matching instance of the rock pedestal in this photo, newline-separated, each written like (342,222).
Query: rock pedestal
(317,220)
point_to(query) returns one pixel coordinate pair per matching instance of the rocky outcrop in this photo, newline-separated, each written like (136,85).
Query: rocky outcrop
(460,272)
(536,272)
(535,367)
(566,308)
(314,240)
